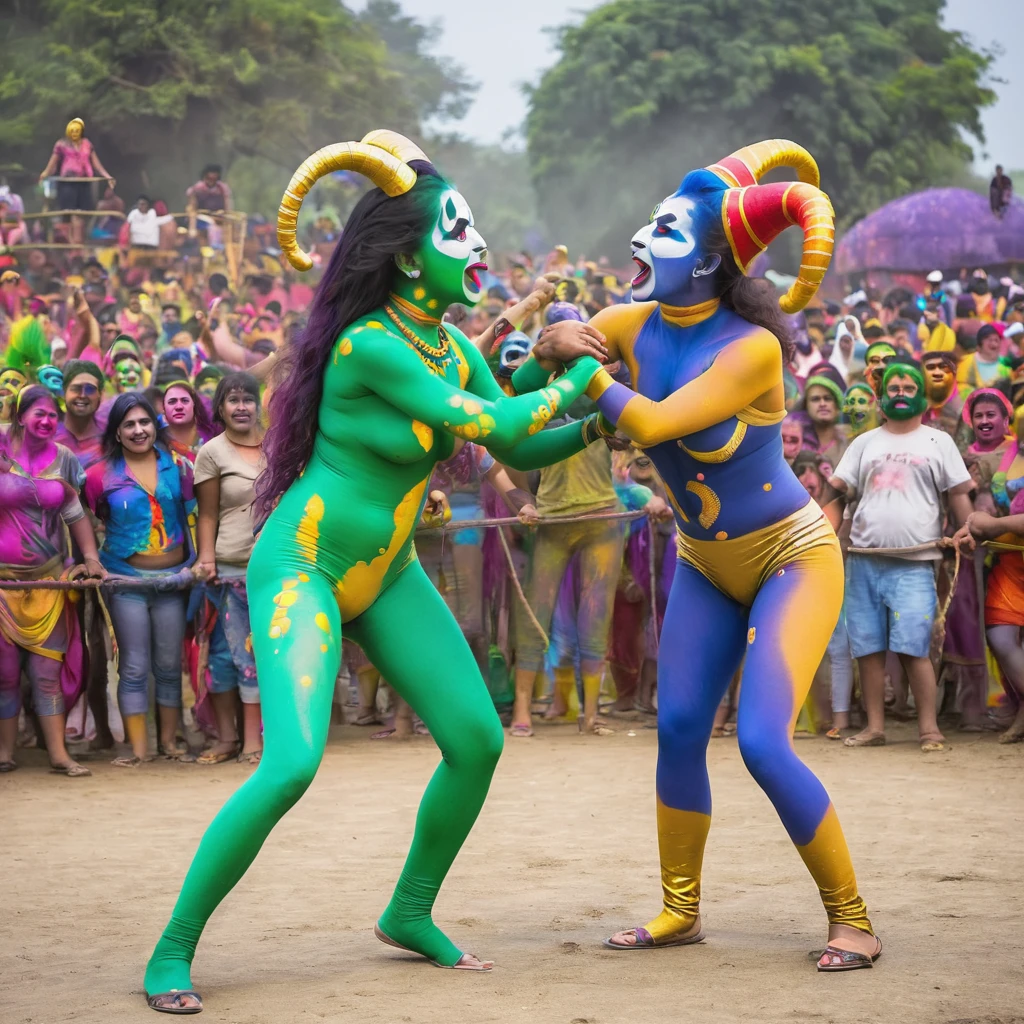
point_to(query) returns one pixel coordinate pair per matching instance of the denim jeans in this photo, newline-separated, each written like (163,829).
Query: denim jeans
(150,630)
(231,662)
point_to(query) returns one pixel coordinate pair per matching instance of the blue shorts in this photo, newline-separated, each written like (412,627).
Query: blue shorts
(889,605)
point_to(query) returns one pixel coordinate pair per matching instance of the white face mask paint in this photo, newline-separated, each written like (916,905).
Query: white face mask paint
(467,246)
(669,236)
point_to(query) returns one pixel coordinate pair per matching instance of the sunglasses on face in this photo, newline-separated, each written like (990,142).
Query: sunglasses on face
(84,390)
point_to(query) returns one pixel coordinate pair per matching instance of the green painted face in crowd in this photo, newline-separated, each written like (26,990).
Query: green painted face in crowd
(447,265)
(127,374)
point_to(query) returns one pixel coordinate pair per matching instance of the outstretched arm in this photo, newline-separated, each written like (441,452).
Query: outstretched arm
(389,367)
(741,373)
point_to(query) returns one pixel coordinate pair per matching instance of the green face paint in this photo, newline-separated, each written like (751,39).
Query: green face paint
(127,374)
(450,260)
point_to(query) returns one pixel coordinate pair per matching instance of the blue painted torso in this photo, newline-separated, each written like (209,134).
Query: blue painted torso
(743,483)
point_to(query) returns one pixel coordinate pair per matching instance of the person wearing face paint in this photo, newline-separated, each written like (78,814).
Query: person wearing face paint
(188,423)
(860,407)
(945,404)
(899,475)
(206,381)
(877,356)
(39,634)
(144,496)
(226,469)
(987,413)
(759,575)
(374,393)
(11,382)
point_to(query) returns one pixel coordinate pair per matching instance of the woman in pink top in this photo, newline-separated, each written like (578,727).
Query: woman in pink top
(74,157)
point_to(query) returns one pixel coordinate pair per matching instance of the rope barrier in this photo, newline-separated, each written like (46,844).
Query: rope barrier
(168,582)
(473,524)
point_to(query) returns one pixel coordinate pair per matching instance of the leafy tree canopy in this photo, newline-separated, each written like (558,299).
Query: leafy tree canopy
(165,86)
(877,90)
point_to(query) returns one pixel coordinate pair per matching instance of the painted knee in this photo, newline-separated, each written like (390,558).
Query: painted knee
(764,753)
(679,728)
(290,778)
(478,744)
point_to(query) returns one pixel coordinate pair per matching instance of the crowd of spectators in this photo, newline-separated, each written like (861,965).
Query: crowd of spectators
(132,408)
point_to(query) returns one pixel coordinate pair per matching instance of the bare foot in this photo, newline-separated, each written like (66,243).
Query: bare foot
(1016,731)
(594,727)
(176,1002)
(866,738)
(469,962)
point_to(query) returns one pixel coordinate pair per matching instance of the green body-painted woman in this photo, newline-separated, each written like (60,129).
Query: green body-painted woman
(394,389)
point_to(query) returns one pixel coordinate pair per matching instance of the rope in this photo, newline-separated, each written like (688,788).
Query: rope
(181,582)
(474,524)
(519,588)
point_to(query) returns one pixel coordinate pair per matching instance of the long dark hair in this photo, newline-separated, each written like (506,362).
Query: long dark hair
(357,280)
(123,405)
(753,298)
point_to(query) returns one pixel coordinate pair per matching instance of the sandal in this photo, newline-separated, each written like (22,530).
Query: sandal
(212,756)
(73,770)
(645,940)
(366,718)
(520,730)
(176,753)
(250,756)
(175,995)
(7,766)
(127,761)
(833,734)
(833,959)
(485,965)
(868,741)
(597,729)
(932,746)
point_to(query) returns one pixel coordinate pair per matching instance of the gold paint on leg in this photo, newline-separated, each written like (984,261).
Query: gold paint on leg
(307,536)
(681,839)
(828,859)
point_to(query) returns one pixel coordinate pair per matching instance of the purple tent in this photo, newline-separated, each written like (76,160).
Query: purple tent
(941,228)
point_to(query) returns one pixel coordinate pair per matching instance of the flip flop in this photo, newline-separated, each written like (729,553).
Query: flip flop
(72,771)
(932,746)
(520,730)
(846,960)
(871,741)
(7,766)
(182,754)
(645,940)
(250,757)
(457,966)
(833,734)
(126,761)
(151,1001)
(220,756)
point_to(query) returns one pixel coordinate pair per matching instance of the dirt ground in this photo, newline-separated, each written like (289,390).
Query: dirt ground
(564,853)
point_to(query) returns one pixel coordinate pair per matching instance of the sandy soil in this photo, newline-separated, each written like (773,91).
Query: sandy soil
(563,854)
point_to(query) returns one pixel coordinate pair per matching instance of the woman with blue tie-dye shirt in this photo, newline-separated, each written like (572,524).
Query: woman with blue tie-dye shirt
(144,496)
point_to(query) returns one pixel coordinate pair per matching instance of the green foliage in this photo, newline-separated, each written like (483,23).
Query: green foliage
(165,86)
(646,90)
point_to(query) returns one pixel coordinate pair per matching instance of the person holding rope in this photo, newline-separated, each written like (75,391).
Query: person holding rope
(39,630)
(899,475)
(759,576)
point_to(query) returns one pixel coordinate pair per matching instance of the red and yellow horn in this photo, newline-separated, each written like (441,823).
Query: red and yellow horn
(754,215)
(748,165)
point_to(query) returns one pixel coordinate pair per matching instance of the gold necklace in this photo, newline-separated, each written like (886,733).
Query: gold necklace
(429,350)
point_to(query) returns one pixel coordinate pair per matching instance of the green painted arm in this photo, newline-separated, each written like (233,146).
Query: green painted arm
(531,376)
(395,373)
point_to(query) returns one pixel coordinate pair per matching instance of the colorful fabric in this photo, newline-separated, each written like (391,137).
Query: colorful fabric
(137,522)
(74,161)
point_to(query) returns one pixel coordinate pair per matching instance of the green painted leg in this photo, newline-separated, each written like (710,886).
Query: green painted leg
(412,637)
(297,670)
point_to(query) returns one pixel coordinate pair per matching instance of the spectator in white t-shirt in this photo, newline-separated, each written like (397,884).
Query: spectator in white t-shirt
(898,474)
(144,225)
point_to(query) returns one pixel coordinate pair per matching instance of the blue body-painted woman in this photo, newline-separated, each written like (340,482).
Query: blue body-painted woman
(760,574)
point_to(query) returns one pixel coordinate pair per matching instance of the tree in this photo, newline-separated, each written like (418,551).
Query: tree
(646,90)
(166,85)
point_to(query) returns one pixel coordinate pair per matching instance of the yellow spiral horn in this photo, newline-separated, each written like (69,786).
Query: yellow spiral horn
(395,144)
(387,171)
(748,165)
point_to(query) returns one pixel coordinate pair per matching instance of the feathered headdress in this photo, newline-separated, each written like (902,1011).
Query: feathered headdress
(28,348)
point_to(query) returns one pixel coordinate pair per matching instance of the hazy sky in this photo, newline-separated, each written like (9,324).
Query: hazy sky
(503,44)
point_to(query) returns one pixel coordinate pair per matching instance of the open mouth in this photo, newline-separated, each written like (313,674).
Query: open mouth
(643,273)
(473,273)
